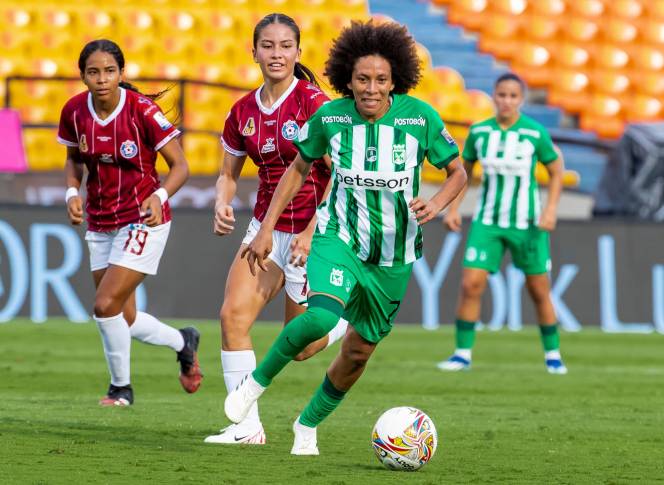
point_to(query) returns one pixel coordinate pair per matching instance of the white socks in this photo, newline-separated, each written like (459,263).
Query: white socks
(552,355)
(235,365)
(464,354)
(116,339)
(337,332)
(149,330)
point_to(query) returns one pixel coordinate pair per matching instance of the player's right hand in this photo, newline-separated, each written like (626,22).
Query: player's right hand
(452,220)
(258,250)
(75,210)
(224,220)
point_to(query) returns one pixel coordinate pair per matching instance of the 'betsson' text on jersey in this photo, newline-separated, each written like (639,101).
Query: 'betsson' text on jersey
(361,179)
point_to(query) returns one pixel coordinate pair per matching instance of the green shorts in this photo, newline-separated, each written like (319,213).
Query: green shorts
(371,294)
(486,246)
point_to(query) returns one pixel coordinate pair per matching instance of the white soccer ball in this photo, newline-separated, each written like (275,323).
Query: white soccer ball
(404,438)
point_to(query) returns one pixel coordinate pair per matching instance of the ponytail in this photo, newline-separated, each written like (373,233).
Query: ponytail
(303,72)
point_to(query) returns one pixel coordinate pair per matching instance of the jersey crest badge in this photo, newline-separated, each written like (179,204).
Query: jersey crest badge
(269,146)
(249,127)
(399,154)
(290,130)
(371,155)
(128,149)
(83,144)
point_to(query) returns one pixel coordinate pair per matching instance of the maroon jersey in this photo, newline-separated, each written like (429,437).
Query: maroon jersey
(266,135)
(120,153)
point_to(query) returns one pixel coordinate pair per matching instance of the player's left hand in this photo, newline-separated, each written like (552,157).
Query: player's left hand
(548,220)
(300,247)
(424,210)
(151,211)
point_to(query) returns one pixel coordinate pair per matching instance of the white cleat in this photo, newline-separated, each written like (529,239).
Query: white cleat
(454,364)
(239,434)
(239,400)
(305,439)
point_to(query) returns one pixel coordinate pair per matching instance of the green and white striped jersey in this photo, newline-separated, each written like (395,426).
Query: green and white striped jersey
(509,196)
(376,173)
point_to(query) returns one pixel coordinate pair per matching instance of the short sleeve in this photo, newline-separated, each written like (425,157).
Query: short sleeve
(158,129)
(545,150)
(469,154)
(441,147)
(231,138)
(311,141)
(67,129)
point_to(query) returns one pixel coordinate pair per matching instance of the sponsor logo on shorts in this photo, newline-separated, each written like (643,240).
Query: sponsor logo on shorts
(337,277)
(249,127)
(269,146)
(337,119)
(290,130)
(128,149)
(471,254)
(161,120)
(419,121)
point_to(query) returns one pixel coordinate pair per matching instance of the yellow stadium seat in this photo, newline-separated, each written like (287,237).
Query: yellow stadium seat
(203,153)
(449,79)
(480,106)
(42,149)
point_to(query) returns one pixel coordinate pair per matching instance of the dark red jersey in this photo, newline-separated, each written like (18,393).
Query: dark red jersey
(120,153)
(266,136)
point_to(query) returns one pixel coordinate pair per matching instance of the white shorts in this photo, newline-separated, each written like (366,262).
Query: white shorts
(296,284)
(135,246)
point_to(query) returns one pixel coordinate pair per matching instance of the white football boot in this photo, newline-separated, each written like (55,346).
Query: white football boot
(239,400)
(305,439)
(244,433)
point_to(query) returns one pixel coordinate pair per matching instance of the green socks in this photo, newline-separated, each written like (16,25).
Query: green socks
(321,316)
(465,334)
(326,400)
(550,337)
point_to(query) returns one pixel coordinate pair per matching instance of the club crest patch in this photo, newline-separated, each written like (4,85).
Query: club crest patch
(83,144)
(249,127)
(128,149)
(290,130)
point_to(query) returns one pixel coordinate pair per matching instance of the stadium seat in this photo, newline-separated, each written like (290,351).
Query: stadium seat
(649,83)
(449,79)
(652,31)
(469,13)
(626,9)
(500,36)
(655,9)
(579,29)
(203,153)
(611,82)
(571,55)
(611,57)
(587,8)
(603,116)
(480,106)
(550,8)
(618,30)
(508,7)
(643,108)
(540,28)
(570,90)
(533,61)
(42,150)
(647,58)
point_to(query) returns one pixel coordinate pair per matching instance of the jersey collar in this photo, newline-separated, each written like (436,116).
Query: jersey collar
(113,115)
(278,102)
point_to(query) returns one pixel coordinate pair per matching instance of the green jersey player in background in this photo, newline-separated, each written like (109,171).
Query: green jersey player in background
(368,233)
(508,216)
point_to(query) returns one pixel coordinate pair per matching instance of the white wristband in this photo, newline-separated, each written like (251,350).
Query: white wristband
(162,194)
(71,192)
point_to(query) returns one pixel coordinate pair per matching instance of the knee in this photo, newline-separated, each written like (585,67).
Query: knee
(472,287)
(232,322)
(106,306)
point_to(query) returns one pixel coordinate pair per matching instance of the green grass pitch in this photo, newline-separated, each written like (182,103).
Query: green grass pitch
(506,421)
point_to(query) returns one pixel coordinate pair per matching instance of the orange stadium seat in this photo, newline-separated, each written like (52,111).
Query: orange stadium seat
(612,82)
(509,7)
(571,55)
(587,8)
(603,116)
(500,35)
(449,79)
(649,83)
(647,58)
(540,28)
(627,9)
(469,13)
(618,30)
(643,108)
(551,8)
(533,62)
(570,90)
(652,31)
(655,9)
(611,57)
(480,106)
(579,29)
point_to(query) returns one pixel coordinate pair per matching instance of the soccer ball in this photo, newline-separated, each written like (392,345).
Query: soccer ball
(404,438)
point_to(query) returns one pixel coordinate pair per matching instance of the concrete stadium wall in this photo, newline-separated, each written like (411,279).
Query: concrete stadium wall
(607,272)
